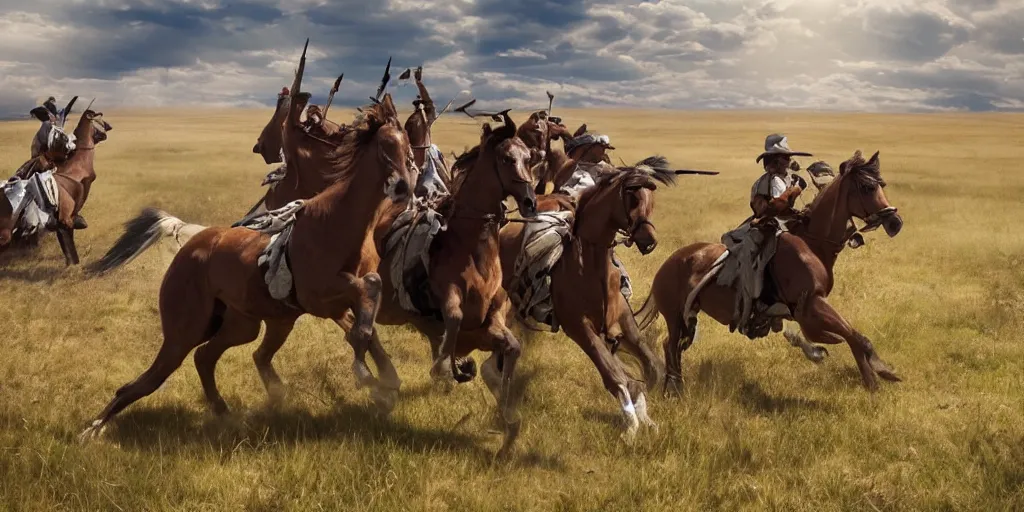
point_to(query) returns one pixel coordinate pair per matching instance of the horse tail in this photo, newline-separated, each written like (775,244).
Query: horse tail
(141,233)
(647,313)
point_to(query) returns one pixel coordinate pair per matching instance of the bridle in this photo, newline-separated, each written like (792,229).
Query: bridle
(634,224)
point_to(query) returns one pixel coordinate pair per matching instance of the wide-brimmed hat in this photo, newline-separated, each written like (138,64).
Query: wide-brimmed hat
(588,139)
(776,144)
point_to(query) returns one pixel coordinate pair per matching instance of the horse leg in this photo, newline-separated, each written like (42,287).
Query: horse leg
(452,314)
(277,333)
(654,368)
(509,349)
(821,323)
(72,247)
(681,335)
(385,395)
(65,237)
(612,375)
(814,353)
(180,336)
(237,329)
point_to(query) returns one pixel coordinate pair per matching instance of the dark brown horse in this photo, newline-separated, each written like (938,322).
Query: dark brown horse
(537,132)
(585,285)
(801,271)
(214,296)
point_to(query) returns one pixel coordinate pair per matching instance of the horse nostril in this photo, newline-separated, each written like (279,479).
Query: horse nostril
(256,148)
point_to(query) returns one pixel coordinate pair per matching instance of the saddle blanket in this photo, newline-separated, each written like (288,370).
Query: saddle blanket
(408,244)
(543,245)
(274,258)
(34,201)
(277,174)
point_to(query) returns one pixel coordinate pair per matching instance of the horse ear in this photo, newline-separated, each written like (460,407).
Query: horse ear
(874,159)
(581,130)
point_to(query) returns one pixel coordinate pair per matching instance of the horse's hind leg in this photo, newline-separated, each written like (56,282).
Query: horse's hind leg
(383,390)
(277,333)
(66,239)
(814,353)
(679,338)
(237,329)
(182,333)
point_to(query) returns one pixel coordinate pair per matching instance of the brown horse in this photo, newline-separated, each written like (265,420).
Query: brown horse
(801,272)
(464,275)
(537,132)
(585,285)
(214,296)
(74,178)
(268,144)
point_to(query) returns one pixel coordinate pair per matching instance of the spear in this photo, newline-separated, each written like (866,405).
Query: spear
(383,82)
(551,101)
(702,173)
(334,90)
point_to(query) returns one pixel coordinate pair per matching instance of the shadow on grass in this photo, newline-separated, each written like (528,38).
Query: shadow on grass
(727,380)
(38,274)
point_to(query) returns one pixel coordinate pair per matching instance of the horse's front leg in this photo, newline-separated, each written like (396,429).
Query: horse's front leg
(451,311)
(632,340)
(814,353)
(498,372)
(821,323)
(361,295)
(66,239)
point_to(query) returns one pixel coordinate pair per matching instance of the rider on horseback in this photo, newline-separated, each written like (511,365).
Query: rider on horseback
(753,242)
(51,141)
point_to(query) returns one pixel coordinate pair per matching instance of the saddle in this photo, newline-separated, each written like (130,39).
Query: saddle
(408,242)
(273,260)
(543,244)
(35,202)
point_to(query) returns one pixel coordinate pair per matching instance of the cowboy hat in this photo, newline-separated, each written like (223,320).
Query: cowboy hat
(776,144)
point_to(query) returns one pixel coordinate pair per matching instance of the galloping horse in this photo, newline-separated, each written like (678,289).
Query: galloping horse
(801,271)
(464,275)
(214,295)
(585,286)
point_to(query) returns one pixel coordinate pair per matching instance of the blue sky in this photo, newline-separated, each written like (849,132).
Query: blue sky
(863,55)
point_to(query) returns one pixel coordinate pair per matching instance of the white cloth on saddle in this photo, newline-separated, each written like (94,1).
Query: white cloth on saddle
(430,177)
(278,223)
(408,243)
(543,245)
(35,201)
(274,221)
(579,181)
(625,283)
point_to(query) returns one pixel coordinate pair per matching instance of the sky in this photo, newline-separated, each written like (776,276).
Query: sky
(856,55)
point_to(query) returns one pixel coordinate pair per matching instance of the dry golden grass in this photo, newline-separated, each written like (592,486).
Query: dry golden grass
(758,427)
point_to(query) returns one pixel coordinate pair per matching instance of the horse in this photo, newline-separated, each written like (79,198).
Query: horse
(585,285)
(214,295)
(801,272)
(537,132)
(268,144)
(467,306)
(74,178)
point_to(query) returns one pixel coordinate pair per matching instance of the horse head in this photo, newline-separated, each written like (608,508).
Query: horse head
(511,162)
(268,144)
(92,127)
(865,194)
(380,123)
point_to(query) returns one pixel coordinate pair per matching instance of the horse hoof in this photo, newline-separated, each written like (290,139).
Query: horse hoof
(92,432)
(465,370)
(511,434)
(219,408)
(817,354)
(673,388)
(629,436)
(384,399)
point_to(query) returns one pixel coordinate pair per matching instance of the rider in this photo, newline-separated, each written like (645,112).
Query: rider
(753,242)
(50,145)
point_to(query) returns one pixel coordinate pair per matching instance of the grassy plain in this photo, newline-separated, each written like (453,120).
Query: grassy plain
(758,428)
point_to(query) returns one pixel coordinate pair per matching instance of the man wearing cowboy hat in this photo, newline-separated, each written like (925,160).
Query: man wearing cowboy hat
(753,242)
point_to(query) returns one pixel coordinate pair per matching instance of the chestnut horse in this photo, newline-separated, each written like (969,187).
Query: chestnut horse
(214,296)
(585,285)
(74,178)
(464,277)
(801,271)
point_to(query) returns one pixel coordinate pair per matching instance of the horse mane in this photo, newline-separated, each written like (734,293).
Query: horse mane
(359,134)
(653,168)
